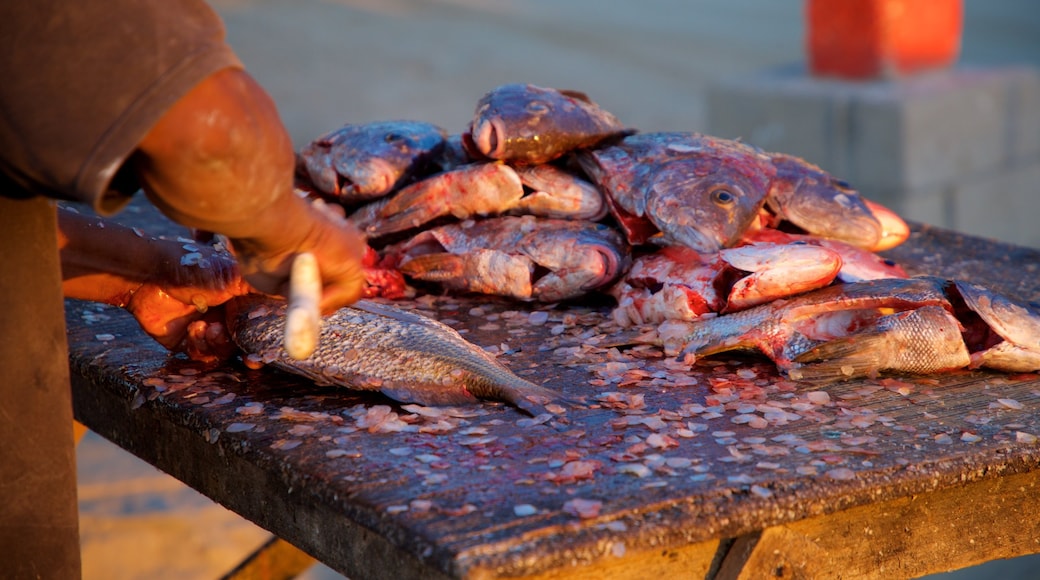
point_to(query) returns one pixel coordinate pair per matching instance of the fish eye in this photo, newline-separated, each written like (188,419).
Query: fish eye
(723,197)
(537,107)
(398,141)
(889,262)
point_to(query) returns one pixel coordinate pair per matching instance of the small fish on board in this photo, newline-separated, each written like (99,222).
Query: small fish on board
(376,347)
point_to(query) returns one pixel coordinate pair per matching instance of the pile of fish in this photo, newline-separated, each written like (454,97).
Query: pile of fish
(545,196)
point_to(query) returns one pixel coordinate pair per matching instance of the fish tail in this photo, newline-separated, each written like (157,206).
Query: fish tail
(500,383)
(841,359)
(434,267)
(920,341)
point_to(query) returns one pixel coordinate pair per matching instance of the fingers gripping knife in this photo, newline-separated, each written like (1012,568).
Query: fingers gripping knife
(303,317)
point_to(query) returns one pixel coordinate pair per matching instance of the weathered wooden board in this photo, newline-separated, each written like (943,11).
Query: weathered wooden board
(665,458)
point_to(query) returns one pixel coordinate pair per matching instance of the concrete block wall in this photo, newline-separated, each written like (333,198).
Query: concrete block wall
(957,148)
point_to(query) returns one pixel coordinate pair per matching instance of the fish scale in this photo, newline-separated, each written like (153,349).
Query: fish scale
(377,347)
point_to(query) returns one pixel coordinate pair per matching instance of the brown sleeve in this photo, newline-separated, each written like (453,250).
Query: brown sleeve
(85,81)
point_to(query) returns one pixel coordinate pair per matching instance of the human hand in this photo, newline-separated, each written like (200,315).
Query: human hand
(318,229)
(182,307)
(174,290)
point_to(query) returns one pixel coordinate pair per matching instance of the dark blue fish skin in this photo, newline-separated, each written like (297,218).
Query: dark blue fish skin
(694,190)
(528,124)
(360,162)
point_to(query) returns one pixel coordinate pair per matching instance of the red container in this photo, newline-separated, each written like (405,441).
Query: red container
(865,39)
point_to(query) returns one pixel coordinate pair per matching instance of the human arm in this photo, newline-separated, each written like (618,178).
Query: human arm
(171,287)
(221,160)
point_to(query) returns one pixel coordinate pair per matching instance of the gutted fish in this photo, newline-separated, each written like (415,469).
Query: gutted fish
(528,124)
(921,341)
(377,347)
(522,257)
(676,283)
(783,329)
(912,325)
(857,264)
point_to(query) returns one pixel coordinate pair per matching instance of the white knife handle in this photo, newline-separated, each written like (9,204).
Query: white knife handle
(303,316)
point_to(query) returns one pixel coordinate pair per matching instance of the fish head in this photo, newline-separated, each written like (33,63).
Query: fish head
(363,161)
(820,204)
(531,124)
(1005,319)
(572,257)
(706,202)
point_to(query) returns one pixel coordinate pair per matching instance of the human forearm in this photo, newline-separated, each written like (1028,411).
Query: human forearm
(220,159)
(107,262)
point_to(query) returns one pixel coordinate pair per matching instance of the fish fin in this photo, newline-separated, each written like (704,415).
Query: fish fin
(421,394)
(581,96)
(532,398)
(841,358)
(434,267)
(389,311)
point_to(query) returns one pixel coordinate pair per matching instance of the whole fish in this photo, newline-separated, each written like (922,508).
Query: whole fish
(375,347)
(529,124)
(480,190)
(912,325)
(524,257)
(694,190)
(363,161)
(477,189)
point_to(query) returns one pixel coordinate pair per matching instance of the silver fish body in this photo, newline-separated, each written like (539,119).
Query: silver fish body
(921,341)
(786,328)
(376,347)
(913,326)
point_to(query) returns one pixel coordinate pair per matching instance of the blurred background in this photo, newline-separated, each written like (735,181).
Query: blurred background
(656,64)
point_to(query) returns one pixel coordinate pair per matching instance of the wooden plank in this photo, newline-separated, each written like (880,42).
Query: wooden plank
(276,559)
(618,563)
(670,457)
(906,537)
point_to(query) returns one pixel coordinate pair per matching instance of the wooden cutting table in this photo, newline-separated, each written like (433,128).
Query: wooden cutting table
(725,470)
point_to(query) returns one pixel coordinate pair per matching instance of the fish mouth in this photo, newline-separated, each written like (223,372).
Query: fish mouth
(486,136)
(369,178)
(694,238)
